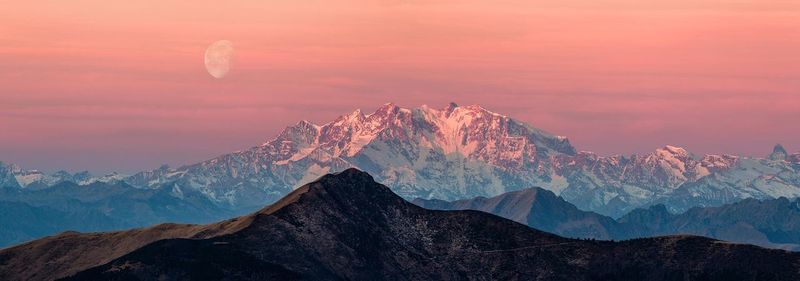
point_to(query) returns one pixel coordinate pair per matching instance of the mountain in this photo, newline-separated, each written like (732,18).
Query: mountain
(773,223)
(27,214)
(450,153)
(761,179)
(35,179)
(347,226)
(778,153)
(7,179)
(460,152)
(540,209)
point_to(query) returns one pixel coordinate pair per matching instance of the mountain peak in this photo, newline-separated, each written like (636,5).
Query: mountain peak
(349,175)
(7,178)
(449,109)
(380,143)
(673,152)
(352,185)
(675,149)
(349,191)
(356,114)
(794,158)
(387,107)
(478,109)
(778,153)
(306,123)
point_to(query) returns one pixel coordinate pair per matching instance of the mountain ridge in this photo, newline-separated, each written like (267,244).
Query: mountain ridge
(347,226)
(32,213)
(465,151)
(773,223)
(540,209)
(461,152)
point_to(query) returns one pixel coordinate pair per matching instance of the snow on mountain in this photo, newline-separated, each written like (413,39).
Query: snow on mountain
(112,177)
(466,151)
(7,178)
(422,152)
(28,177)
(749,178)
(37,179)
(794,158)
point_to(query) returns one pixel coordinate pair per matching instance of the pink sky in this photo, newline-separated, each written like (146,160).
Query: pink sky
(110,86)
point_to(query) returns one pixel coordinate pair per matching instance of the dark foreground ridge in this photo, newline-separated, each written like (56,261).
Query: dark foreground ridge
(347,226)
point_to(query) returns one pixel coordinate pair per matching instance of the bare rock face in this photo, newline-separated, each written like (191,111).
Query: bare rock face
(347,226)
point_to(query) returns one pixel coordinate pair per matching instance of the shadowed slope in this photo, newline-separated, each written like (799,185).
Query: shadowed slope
(540,209)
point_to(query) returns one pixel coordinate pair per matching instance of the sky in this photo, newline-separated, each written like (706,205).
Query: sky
(121,86)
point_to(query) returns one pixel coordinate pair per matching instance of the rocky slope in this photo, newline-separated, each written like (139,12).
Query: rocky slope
(7,179)
(347,226)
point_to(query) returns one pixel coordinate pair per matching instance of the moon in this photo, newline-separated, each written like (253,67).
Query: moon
(219,58)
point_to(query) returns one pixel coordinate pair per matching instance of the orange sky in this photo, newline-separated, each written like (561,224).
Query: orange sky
(121,86)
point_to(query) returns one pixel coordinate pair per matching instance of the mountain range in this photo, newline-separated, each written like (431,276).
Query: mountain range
(773,223)
(30,214)
(540,209)
(12,175)
(457,152)
(460,152)
(346,226)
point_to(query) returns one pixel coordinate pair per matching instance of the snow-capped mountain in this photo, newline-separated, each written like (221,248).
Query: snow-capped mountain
(461,152)
(14,176)
(466,151)
(775,176)
(7,179)
(423,152)
(671,175)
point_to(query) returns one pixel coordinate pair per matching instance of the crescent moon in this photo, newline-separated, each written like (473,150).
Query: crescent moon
(218,58)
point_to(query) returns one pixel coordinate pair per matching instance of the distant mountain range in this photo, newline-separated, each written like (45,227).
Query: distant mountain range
(31,214)
(12,175)
(461,152)
(540,209)
(773,223)
(348,227)
(457,152)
